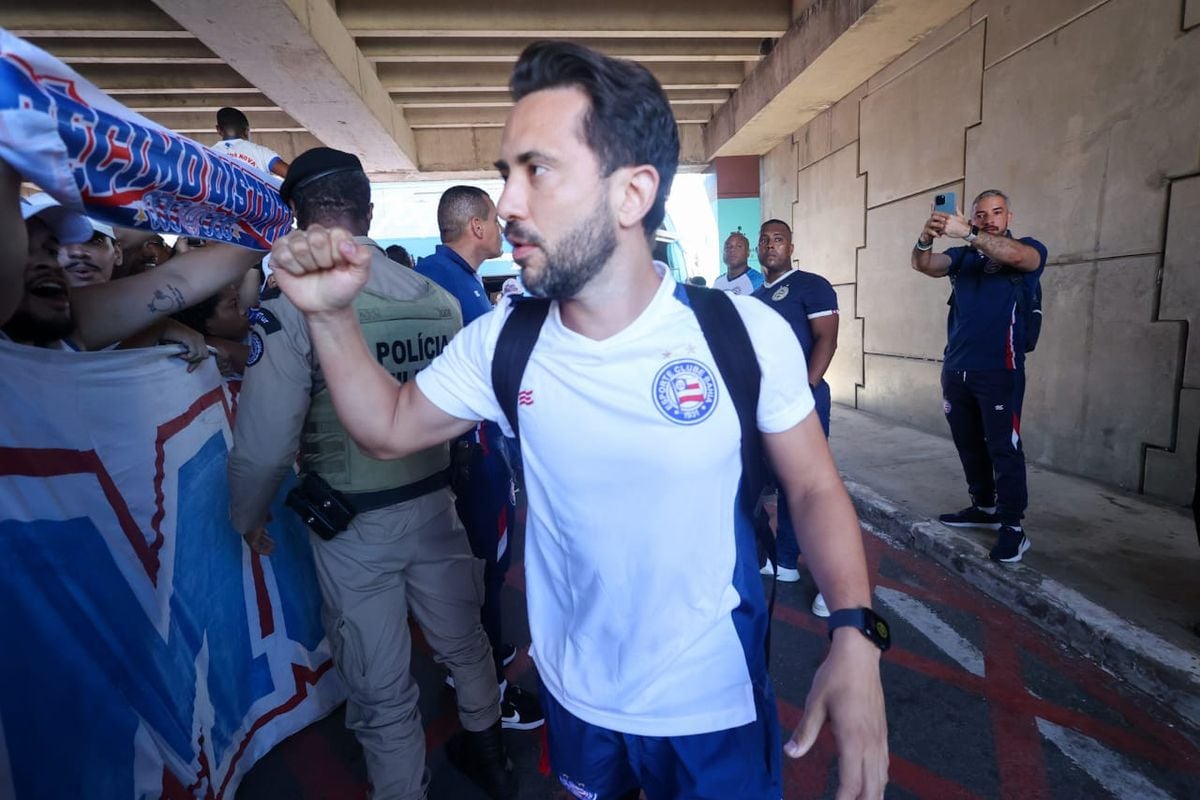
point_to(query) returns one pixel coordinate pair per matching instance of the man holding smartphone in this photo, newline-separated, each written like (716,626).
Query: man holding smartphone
(983,375)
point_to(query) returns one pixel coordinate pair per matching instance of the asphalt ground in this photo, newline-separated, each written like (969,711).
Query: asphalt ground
(981,704)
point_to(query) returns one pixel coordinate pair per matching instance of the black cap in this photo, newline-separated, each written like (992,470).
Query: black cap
(318,162)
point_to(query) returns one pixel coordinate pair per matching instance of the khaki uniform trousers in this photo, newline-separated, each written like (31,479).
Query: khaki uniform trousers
(410,557)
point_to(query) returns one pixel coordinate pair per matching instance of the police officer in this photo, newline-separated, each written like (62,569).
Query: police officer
(983,374)
(403,550)
(483,494)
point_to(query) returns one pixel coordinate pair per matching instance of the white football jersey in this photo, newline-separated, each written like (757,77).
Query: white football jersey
(249,153)
(646,608)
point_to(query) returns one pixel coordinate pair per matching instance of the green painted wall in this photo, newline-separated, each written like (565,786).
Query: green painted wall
(732,212)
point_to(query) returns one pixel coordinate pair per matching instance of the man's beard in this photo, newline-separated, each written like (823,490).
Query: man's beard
(575,260)
(25,328)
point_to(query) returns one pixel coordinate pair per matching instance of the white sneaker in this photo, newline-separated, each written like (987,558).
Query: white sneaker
(818,607)
(788,575)
(767,569)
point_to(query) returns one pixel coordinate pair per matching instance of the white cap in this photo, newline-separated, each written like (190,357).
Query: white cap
(68,226)
(103,227)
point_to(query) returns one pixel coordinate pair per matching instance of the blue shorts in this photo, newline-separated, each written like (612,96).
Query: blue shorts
(595,763)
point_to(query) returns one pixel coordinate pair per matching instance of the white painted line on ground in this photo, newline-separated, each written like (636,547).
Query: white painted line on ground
(936,629)
(1107,768)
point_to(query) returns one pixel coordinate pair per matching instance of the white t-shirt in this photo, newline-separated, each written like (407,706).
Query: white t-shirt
(253,155)
(631,447)
(745,283)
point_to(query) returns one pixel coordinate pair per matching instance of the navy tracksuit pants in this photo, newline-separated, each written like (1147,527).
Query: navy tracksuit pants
(487,509)
(983,409)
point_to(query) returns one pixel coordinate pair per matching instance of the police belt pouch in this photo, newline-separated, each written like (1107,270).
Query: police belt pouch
(324,509)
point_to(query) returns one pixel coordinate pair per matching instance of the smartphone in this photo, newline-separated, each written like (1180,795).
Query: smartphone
(946,203)
(195,242)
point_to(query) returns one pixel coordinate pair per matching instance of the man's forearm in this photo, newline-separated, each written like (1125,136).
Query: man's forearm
(830,538)
(1007,251)
(364,395)
(822,356)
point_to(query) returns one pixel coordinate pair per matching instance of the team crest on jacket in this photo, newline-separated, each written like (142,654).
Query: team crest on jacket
(685,391)
(780,293)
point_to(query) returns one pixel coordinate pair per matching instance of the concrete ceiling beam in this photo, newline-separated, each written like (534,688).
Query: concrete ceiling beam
(84,19)
(165,78)
(424,50)
(834,46)
(479,77)
(568,17)
(500,99)
(496,117)
(127,51)
(200,122)
(298,53)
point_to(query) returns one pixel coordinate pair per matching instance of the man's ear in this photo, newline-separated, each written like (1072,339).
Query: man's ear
(639,189)
(370,215)
(119,256)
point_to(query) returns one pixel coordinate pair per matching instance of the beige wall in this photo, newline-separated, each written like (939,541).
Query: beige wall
(1088,115)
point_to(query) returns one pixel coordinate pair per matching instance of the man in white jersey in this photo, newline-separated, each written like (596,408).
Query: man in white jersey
(235,143)
(646,613)
(738,277)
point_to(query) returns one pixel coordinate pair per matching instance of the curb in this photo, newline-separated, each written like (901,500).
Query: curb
(1155,666)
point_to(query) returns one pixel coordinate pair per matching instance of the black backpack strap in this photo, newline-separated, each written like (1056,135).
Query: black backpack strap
(513,348)
(733,351)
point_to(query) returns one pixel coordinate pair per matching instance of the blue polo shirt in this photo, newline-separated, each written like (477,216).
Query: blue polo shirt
(984,329)
(451,271)
(800,297)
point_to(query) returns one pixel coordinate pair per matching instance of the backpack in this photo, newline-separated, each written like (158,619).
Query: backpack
(1029,306)
(729,341)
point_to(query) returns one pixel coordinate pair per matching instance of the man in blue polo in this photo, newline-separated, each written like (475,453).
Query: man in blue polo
(809,304)
(471,234)
(983,377)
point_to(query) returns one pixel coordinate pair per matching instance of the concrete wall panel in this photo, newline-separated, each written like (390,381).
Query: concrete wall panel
(922,50)
(1101,384)
(1109,130)
(1191,14)
(844,119)
(814,141)
(827,219)
(1172,475)
(904,311)
(912,128)
(845,372)
(906,390)
(1013,24)
(1181,270)
(778,183)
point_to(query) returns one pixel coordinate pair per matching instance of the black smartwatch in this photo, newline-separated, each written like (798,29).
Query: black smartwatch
(868,623)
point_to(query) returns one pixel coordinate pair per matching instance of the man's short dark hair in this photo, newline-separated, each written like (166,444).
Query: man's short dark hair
(777,222)
(196,317)
(630,122)
(343,198)
(231,120)
(399,254)
(456,208)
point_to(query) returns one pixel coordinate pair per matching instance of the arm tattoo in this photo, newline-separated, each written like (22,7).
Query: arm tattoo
(167,299)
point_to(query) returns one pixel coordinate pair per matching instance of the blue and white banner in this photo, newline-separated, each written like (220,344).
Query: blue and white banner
(145,652)
(93,154)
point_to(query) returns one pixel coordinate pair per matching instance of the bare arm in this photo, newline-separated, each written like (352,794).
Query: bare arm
(386,419)
(846,690)
(927,262)
(14,242)
(824,331)
(1008,251)
(108,312)
(280,167)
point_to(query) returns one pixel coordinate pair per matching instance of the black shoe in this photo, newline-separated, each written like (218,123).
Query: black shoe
(480,756)
(508,654)
(1011,544)
(520,710)
(971,517)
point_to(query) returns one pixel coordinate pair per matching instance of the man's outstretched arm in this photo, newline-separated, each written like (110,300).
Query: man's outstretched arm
(846,690)
(321,271)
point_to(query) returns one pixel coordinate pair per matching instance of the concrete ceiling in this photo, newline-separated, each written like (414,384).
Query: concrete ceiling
(419,89)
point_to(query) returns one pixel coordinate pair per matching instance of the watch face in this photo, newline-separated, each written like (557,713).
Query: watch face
(881,629)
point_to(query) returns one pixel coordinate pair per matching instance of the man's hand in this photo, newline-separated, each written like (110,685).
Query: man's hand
(955,226)
(932,230)
(847,691)
(260,541)
(320,269)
